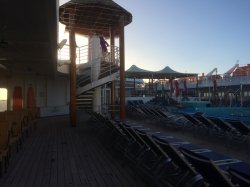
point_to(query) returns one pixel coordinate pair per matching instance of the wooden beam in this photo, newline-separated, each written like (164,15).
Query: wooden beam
(112,48)
(122,70)
(72,44)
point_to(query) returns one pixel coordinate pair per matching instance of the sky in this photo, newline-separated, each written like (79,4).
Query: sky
(189,36)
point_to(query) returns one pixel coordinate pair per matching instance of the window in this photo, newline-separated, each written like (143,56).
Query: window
(3,99)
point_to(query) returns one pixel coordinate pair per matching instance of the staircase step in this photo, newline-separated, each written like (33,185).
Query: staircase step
(85,100)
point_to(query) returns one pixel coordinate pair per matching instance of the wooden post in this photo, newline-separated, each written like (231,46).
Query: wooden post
(112,44)
(122,70)
(113,99)
(112,51)
(72,44)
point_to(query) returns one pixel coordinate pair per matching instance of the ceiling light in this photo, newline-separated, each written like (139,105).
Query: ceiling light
(3,59)
(3,67)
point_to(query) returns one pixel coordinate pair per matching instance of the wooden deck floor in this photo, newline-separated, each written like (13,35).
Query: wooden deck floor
(57,155)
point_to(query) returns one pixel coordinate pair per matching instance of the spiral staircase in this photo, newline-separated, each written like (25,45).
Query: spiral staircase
(91,74)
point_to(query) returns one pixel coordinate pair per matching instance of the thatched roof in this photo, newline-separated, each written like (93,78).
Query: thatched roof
(90,17)
(165,73)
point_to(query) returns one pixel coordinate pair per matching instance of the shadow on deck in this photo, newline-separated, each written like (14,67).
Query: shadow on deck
(57,155)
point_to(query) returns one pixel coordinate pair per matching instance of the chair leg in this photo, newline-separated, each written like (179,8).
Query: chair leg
(8,158)
(5,163)
(1,173)
(17,146)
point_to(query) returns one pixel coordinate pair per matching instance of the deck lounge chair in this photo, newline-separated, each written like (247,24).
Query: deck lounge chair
(176,142)
(210,126)
(152,163)
(195,124)
(241,127)
(137,148)
(112,136)
(213,175)
(184,175)
(239,178)
(225,127)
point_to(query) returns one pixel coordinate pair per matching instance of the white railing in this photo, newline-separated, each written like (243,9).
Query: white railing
(105,69)
(92,70)
(224,81)
(82,54)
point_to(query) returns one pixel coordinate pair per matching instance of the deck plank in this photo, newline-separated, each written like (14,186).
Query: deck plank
(56,154)
(60,159)
(41,165)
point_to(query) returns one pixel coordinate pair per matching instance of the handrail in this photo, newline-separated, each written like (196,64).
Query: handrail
(82,54)
(98,68)
(91,69)
(225,81)
(88,77)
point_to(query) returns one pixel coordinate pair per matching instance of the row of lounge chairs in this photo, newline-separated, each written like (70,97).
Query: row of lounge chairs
(233,129)
(135,102)
(164,160)
(224,127)
(13,126)
(153,113)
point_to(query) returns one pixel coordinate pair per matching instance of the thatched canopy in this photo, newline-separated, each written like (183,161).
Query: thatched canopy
(89,17)
(165,73)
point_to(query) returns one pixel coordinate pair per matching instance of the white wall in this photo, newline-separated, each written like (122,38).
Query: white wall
(51,95)
(57,98)
(56,92)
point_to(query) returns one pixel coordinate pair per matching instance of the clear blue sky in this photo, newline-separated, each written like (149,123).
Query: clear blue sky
(192,36)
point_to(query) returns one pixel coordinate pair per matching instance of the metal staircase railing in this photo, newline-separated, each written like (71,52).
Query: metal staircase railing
(88,80)
(91,73)
(83,56)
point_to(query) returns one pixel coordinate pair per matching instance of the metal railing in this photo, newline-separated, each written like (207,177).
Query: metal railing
(102,69)
(83,55)
(90,70)
(224,81)
(104,66)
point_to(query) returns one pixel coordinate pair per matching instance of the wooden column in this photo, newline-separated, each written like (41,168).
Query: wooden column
(122,70)
(72,44)
(113,99)
(112,44)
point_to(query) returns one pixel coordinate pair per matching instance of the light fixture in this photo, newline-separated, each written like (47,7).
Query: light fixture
(62,43)
(3,67)
(3,59)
